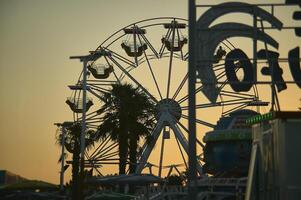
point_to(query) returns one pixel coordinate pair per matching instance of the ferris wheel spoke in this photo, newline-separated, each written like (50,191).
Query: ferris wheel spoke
(222,103)
(200,122)
(218,67)
(89,126)
(116,77)
(237,95)
(108,149)
(101,146)
(148,147)
(244,105)
(187,131)
(108,156)
(133,79)
(92,164)
(150,45)
(122,74)
(221,75)
(94,123)
(226,45)
(151,71)
(100,87)
(233,47)
(182,139)
(91,115)
(186,56)
(178,133)
(141,60)
(95,94)
(94,120)
(96,86)
(161,51)
(180,86)
(181,151)
(186,97)
(105,150)
(121,58)
(170,63)
(114,73)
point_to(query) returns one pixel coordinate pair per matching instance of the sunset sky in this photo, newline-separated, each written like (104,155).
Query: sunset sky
(36,39)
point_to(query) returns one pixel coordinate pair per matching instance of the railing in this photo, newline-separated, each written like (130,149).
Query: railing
(237,182)
(159,192)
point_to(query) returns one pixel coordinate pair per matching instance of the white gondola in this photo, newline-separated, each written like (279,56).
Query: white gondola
(101,71)
(176,44)
(133,50)
(174,41)
(134,45)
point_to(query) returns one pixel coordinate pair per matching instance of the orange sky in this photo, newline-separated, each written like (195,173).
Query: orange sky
(37,37)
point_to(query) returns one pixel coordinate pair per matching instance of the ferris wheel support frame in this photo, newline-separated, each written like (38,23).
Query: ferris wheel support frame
(84,59)
(165,119)
(119,61)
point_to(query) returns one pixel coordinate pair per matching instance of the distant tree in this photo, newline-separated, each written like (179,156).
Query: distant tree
(72,144)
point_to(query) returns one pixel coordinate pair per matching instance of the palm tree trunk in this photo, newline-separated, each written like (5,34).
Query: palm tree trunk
(75,173)
(81,179)
(133,158)
(133,153)
(123,151)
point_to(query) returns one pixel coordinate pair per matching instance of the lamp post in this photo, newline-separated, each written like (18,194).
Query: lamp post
(192,175)
(94,55)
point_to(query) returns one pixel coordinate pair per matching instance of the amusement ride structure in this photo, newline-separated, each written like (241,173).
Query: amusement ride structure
(131,55)
(152,55)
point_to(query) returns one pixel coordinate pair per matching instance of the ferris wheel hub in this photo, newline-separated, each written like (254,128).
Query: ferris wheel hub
(168,106)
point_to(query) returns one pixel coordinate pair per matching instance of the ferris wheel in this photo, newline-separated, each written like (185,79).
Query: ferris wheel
(152,55)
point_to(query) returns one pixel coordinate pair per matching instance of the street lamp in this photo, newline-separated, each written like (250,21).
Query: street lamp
(94,55)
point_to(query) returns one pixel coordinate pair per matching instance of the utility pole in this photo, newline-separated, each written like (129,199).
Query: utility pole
(192,173)
(84,59)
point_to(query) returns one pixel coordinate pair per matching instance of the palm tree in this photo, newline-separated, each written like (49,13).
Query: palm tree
(72,144)
(128,118)
(142,123)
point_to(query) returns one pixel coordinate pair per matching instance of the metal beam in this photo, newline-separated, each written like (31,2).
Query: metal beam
(147,148)
(192,159)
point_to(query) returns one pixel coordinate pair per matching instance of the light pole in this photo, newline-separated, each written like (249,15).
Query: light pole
(192,175)
(63,126)
(85,59)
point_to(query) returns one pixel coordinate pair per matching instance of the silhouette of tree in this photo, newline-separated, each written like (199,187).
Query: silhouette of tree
(72,145)
(128,118)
